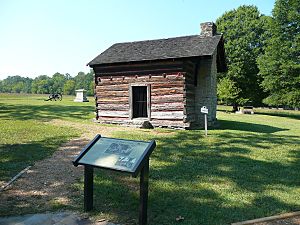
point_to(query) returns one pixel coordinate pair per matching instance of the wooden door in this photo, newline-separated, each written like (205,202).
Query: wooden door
(139,101)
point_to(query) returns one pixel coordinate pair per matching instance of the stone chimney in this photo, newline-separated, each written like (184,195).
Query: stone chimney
(208,29)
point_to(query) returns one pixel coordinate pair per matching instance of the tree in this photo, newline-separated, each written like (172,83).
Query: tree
(69,87)
(1,86)
(16,84)
(41,85)
(18,87)
(44,84)
(280,64)
(84,81)
(90,83)
(243,30)
(227,92)
(58,81)
(80,80)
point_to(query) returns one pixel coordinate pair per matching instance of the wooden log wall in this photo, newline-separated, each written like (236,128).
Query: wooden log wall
(168,94)
(172,88)
(190,68)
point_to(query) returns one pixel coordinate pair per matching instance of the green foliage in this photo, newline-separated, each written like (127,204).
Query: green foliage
(280,65)
(58,80)
(243,30)
(16,84)
(83,81)
(69,87)
(43,84)
(227,91)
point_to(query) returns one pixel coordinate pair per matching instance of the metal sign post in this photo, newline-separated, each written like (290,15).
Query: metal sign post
(88,187)
(205,124)
(144,183)
(204,110)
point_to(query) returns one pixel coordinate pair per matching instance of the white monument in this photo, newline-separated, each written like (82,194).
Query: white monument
(80,96)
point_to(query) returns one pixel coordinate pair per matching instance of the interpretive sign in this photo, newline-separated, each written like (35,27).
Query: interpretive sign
(204,109)
(116,154)
(122,155)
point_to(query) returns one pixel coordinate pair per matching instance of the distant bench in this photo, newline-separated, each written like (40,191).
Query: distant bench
(248,110)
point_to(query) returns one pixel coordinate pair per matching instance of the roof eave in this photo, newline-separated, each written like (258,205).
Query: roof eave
(148,60)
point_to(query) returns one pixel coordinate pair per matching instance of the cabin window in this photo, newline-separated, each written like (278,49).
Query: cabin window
(139,101)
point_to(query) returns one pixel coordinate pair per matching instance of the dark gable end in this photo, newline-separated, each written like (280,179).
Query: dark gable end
(221,62)
(170,48)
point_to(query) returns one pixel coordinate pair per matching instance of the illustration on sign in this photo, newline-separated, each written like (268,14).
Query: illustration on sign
(119,149)
(125,161)
(116,154)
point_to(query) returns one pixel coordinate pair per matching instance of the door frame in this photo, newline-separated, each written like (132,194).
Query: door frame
(130,100)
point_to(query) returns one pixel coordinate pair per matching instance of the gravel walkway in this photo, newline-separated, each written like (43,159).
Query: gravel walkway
(48,184)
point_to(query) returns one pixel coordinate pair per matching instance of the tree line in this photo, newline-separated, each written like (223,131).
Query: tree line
(43,84)
(263,56)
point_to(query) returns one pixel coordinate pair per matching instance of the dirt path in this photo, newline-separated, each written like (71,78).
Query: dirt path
(48,184)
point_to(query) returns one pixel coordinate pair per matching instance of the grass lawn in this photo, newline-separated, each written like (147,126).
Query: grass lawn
(25,137)
(247,168)
(33,107)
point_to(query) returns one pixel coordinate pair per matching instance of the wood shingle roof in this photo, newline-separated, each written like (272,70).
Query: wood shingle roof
(170,48)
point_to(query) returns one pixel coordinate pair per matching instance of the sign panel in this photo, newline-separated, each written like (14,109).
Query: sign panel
(204,110)
(116,154)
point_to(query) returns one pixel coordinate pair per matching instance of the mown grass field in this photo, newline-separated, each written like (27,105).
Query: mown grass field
(25,135)
(247,168)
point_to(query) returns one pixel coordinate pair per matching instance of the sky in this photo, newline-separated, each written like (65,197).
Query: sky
(42,37)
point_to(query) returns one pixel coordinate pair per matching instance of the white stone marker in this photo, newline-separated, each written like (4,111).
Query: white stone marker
(80,96)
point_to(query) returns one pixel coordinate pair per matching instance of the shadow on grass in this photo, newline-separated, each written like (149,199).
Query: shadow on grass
(45,186)
(15,157)
(251,127)
(45,112)
(292,115)
(207,183)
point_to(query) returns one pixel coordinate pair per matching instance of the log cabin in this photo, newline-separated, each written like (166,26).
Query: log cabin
(164,82)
